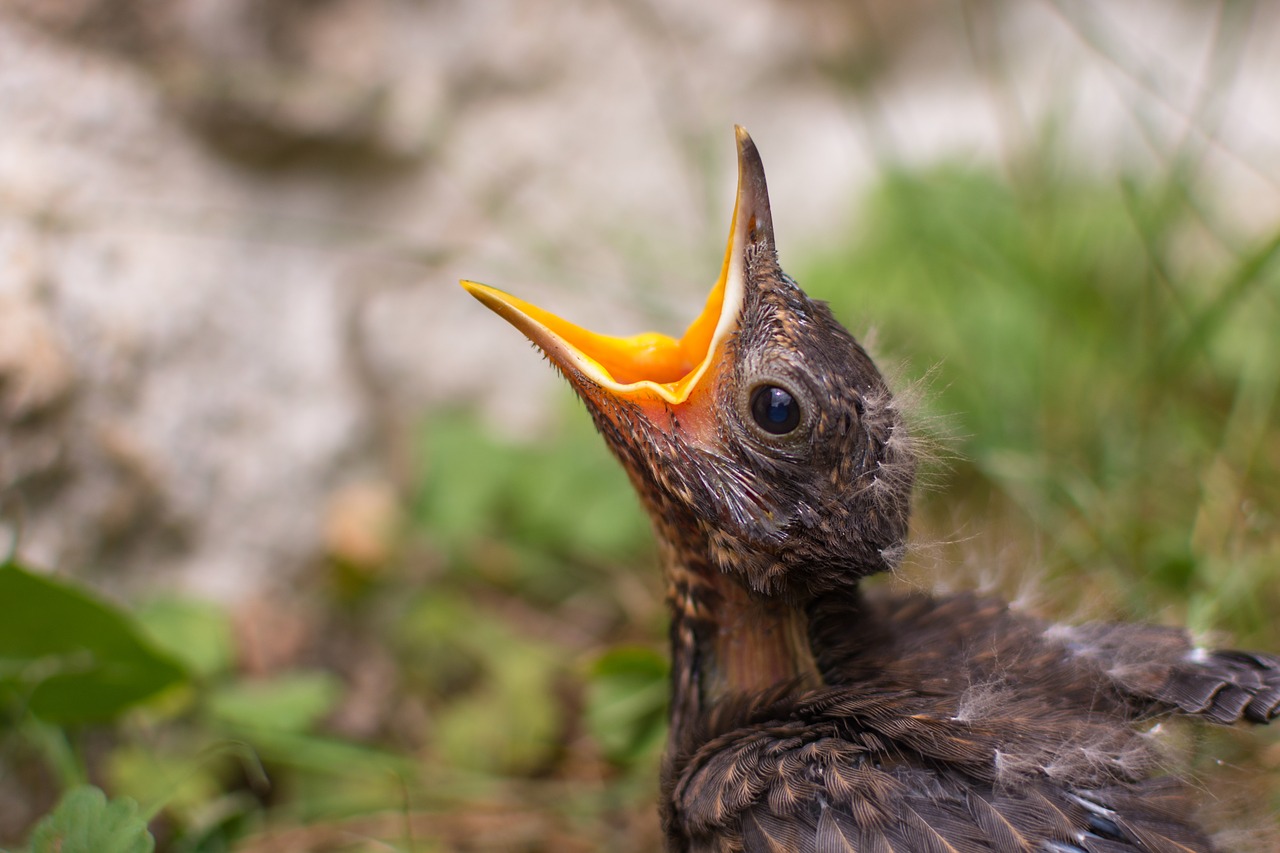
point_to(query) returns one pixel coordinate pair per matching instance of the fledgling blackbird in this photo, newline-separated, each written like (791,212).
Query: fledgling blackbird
(807,715)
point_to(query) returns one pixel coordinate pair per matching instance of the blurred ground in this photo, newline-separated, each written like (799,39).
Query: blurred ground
(230,232)
(235,362)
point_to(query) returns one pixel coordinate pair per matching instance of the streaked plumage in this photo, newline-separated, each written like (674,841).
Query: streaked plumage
(807,715)
(958,722)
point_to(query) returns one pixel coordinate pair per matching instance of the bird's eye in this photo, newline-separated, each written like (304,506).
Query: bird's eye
(774,409)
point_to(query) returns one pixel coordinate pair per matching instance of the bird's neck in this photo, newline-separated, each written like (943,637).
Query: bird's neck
(729,643)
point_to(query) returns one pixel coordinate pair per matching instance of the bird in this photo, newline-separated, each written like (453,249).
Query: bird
(807,712)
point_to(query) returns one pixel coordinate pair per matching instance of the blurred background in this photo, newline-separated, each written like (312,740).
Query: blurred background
(395,591)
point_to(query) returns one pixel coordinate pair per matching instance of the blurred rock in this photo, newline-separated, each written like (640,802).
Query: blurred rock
(34,370)
(36,378)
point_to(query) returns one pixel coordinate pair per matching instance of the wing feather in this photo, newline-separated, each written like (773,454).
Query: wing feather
(764,832)
(999,828)
(836,833)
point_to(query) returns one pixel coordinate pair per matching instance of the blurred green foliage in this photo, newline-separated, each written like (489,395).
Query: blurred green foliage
(1107,363)
(485,668)
(197,633)
(560,504)
(627,702)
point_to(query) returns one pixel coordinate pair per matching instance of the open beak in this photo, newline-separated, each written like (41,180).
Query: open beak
(649,365)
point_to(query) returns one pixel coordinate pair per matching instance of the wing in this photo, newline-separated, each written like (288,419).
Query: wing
(948,645)
(914,810)
(1161,665)
(861,773)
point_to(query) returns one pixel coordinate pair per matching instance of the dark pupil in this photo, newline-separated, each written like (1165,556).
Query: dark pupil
(775,410)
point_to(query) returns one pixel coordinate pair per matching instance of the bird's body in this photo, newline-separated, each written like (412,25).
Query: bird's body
(808,715)
(955,724)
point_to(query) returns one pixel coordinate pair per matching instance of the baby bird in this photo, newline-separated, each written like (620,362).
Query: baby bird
(807,715)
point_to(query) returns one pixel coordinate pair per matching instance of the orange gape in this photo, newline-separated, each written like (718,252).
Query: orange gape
(665,377)
(646,357)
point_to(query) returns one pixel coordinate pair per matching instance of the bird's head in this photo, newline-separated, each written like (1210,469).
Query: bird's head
(764,442)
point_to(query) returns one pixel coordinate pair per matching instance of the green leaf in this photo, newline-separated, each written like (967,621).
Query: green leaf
(291,702)
(84,821)
(198,633)
(70,657)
